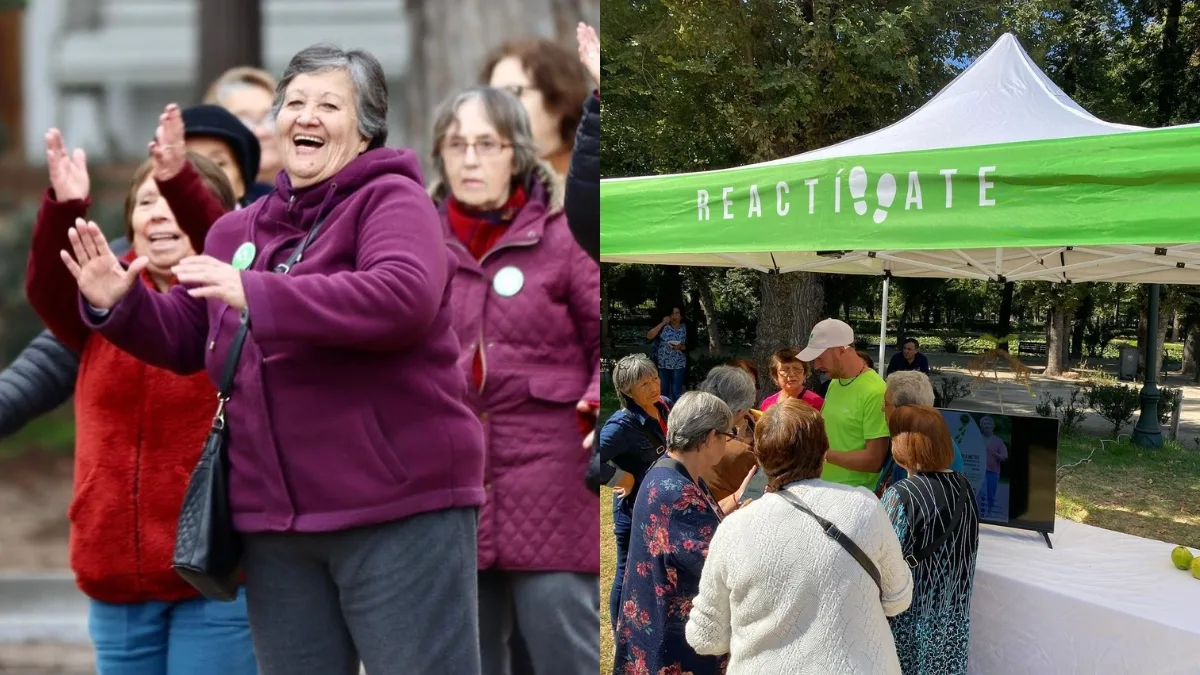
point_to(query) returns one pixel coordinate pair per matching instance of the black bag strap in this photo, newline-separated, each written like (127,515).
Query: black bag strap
(837,535)
(239,338)
(913,559)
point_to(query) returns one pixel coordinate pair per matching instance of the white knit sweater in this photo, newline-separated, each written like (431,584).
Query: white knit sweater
(779,596)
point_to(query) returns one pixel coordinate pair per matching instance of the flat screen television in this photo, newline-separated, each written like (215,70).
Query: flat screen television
(1011,461)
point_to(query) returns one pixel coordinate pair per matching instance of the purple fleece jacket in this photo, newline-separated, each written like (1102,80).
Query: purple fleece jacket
(347,407)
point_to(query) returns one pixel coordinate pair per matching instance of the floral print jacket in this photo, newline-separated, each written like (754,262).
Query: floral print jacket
(673,522)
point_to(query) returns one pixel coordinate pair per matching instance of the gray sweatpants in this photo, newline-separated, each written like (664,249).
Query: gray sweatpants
(401,596)
(559,617)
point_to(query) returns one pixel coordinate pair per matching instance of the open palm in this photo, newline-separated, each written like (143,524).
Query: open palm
(589,50)
(168,149)
(101,278)
(68,171)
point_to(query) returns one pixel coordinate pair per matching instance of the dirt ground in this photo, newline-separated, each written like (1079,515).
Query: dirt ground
(35,490)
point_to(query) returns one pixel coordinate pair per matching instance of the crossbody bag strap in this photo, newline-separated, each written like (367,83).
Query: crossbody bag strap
(913,559)
(840,537)
(239,338)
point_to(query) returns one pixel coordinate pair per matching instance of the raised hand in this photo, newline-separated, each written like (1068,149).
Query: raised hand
(208,277)
(68,171)
(168,149)
(101,279)
(589,50)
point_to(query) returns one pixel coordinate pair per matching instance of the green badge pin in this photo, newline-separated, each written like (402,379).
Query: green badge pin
(244,256)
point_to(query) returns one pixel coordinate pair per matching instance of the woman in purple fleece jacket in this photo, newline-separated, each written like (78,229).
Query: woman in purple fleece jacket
(356,467)
(527,310)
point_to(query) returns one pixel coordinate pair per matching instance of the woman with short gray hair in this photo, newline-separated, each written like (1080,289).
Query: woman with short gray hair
(905,388)
(525,300)
(674,520)
(631,441)
(349,437)
(728,478)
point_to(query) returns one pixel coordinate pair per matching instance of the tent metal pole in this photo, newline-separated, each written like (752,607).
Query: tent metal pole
(883,318)
(1148,433)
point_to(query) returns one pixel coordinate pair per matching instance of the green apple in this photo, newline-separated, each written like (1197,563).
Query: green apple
(1182,557)
(1196,568)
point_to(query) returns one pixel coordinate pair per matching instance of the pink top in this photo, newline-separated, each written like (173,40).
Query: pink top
(808,396)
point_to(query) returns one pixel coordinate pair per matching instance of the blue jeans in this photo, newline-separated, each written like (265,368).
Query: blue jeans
(622,526)
(672,382)
(993,482)
(191,637)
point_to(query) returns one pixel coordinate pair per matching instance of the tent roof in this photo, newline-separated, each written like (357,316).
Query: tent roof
(1002,97)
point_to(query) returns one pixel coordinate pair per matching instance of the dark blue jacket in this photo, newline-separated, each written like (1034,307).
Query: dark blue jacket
(629,440)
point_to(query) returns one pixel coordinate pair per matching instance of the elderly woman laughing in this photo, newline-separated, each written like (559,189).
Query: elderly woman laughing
(356,467)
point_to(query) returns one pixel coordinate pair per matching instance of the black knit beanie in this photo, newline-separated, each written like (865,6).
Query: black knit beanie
(213,121)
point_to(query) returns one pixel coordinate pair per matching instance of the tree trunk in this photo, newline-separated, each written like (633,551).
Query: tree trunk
(606,341)
(11,111)
(1176,318)
(1170,64)
(1006,302)
(230,35)
(790,308)
(670,291)
(1082,316)
(1055,336)
(450,42)
(702,282)
(1191,346)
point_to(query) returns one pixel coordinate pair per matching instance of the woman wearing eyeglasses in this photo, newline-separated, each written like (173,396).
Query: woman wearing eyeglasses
(552,84)
(524,303)
(674,519)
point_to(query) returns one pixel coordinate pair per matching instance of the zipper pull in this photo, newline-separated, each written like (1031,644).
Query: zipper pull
(291,200)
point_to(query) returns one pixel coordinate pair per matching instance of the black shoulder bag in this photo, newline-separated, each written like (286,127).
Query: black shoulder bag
(208,550)
(837,535)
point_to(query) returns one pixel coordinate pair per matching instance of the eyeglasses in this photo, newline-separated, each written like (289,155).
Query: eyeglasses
(484,147)
(728,436)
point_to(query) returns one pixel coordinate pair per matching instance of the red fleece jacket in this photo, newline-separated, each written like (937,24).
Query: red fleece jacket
(138,429)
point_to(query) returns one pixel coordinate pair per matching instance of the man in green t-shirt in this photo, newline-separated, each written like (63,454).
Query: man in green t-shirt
(853,410)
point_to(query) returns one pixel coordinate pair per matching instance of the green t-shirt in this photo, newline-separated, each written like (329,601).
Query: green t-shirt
(853,413)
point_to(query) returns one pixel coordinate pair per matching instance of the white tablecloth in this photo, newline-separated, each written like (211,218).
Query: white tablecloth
(1099,603)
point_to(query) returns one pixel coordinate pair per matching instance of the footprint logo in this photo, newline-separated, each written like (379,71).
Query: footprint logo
(858,189)
(885,194)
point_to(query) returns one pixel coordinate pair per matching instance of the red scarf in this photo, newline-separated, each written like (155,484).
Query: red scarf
(479,231)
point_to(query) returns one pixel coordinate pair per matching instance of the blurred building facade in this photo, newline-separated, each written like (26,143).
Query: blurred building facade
(102,70)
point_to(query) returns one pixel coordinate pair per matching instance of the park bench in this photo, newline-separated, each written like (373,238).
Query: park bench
(109,75)
(1031,348)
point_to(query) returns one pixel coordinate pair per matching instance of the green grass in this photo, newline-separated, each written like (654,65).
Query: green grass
(1148,493)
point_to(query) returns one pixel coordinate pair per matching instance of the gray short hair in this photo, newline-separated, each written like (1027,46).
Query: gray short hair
(505,112)
(909,387)
(732,385)
(628,372)
(695,415)
(364,70)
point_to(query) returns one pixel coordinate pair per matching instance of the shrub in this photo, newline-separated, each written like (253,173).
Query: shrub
(948,390)
(1166,404)
(1114,402)
(1070,413)
(950,347)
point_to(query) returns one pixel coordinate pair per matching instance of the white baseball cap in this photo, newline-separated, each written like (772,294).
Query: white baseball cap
(826,335)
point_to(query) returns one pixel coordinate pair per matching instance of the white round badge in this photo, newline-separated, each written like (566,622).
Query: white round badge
(508,281)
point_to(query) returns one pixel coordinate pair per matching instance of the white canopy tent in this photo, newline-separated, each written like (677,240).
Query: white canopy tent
(1002,98)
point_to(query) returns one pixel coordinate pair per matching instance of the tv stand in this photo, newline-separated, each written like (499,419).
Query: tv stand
(1046,536)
